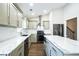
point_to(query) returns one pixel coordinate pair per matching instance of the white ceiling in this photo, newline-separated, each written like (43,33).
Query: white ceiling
(38,8)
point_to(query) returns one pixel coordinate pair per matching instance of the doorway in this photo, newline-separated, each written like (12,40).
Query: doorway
(71,28)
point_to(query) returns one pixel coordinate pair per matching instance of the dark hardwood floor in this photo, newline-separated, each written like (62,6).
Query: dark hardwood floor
(36,49)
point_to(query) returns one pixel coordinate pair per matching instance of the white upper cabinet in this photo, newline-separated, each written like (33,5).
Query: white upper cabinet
(13,15)
(4,13)
(10,15)
(19,19)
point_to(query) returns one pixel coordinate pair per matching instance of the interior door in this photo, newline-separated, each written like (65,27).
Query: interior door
(71,28)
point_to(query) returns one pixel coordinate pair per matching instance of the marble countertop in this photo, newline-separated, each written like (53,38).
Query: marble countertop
(9,45)
(66,45)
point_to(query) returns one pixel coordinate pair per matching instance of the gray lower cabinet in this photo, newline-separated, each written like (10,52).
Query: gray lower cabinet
(51,49)
(19,51)
(55,51)
(47,48)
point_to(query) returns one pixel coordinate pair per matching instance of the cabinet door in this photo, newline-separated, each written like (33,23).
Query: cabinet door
(19,51)
(47,48)
(52,50)
(55,51)
(19,19)
(13,15)
(4,13)
(20,22)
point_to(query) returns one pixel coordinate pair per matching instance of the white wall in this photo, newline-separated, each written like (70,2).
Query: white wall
(71,11)
(56,16)
(44,18)
(51,22)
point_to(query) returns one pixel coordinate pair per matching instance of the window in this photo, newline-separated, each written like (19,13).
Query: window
(46,24)
(32,24)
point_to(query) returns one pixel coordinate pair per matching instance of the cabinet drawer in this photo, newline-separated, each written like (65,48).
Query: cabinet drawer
(51,49)
(55,51)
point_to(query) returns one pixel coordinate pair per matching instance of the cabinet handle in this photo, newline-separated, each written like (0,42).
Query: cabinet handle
(50,52)
(54,50)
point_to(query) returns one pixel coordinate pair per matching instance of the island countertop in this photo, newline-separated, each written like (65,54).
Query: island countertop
(66,45)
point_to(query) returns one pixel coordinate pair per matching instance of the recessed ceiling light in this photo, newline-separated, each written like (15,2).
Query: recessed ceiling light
(31,4)
(33,14)
(45,11)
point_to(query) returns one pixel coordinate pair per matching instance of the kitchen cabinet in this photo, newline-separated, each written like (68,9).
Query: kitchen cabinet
(20,22)
(13,15)
(20,18)
(4,13)
(26,47)
(10,15)
(29,41)
(19,15)
(51,49)
(54,51)
(19,51)
(40,36)
(47,48)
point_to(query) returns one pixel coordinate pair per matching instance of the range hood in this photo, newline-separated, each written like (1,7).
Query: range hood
(39,26)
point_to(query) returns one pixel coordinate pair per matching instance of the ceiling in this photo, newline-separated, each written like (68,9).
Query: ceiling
(38,8)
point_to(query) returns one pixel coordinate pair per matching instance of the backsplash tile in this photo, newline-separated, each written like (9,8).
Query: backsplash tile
(7,33)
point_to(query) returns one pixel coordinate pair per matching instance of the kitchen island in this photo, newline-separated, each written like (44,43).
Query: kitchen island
(61,46)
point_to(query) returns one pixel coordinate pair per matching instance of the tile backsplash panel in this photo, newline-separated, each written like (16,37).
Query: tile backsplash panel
(7,33)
